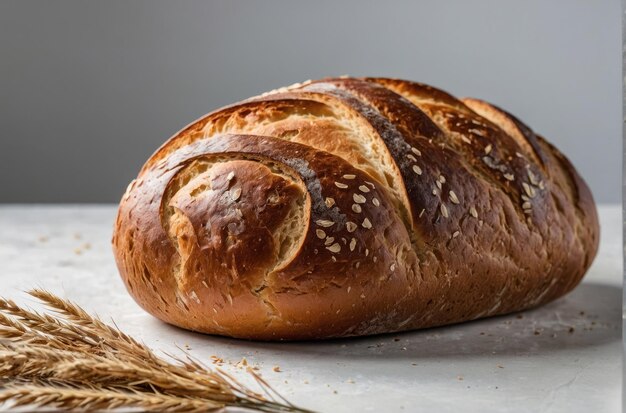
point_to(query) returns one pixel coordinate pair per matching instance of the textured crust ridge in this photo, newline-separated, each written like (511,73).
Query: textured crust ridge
(347,206)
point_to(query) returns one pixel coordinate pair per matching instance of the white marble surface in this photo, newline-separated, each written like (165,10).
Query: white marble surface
(528,364)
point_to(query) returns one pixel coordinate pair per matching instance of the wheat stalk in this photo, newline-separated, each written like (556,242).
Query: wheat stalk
(74,361)
(103,399)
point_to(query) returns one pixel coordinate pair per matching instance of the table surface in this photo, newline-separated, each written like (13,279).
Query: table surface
(533,363)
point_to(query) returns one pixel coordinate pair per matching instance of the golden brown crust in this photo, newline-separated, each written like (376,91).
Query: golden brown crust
(346,207)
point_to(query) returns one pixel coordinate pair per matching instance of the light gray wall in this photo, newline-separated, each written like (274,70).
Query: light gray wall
(88,89)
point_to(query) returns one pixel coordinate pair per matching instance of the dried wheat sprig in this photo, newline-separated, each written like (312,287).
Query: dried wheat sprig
(100,399)
(49,325)
(12,330)
(62,356)
(112,337)
(41,362)
(90,331)
(75,313)
(37,361)
(124,346)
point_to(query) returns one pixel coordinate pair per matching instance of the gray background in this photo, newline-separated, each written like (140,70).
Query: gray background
(89,89)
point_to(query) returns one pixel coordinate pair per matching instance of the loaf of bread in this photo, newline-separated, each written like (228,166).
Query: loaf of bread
(347,207)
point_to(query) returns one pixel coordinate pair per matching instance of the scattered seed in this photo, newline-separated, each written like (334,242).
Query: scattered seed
(364,188)
(370,184)
(477,132)
(235,193)
(359,199)
(320,233)
(473,212)
(341,185)
(393,267)
(444,210)
(324,223)
(453,198)
(329,202)
(526,205)
(334,248)
(350,226)
(488,149)
(416,151)
(412,158)
(493,164)
(509,177)
(349,176)
(455,234)
(530,191)
(421,212)
(352,244)
(375,201)
(356,208)
(366,223)
(329,241)
(417,169)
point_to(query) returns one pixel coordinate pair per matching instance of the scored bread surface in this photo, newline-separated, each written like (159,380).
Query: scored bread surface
(345,207)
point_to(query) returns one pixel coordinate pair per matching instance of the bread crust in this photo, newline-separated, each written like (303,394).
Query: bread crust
(345,207)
